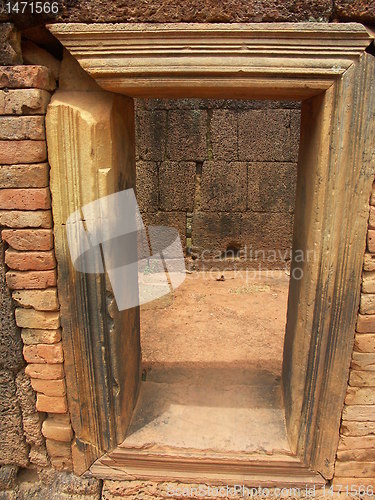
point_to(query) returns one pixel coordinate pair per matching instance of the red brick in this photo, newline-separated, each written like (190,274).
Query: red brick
(59,431)
(30,261)
(60,454)
(24,176)
(365,342)
(41,300)
(24,102)
(366,323)
(44,371)
(32,336)
(23,219)
(29,239)
(23,77)
(44,353)
(371,240)
(22,152)
(371,222)
(62,463)
(49,387)
(18,128)
(51,404)
(30,318)
(30,280)
(25,199)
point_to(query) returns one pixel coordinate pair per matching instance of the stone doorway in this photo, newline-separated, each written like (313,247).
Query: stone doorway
(325,67)
(223,174)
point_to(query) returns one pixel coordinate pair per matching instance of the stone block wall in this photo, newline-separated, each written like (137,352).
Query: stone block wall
(223,173)
(29,266)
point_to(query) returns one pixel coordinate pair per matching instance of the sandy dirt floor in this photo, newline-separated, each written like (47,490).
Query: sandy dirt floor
(239,320)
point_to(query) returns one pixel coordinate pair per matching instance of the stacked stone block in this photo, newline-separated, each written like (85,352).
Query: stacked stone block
(356,453)
(222,172)
(26,227)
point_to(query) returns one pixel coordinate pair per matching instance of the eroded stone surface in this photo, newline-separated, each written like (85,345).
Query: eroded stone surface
(10,45)
(10,339)
(13,449)
(195,11)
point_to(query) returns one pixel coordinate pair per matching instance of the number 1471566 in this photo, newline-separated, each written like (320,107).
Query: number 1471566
(32,7)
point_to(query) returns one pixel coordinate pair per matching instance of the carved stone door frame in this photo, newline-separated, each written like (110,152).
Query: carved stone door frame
(90,138)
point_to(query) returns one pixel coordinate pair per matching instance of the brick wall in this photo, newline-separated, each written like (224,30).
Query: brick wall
(223,173)
(356,453)
(26,231)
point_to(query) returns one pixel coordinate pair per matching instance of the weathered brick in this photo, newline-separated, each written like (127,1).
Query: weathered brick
(365,343)
(18,219)
(25,199)
(358,429)
(49,387)
(31,336)
(355,469)
(371,221)
(359,378)
(22,152)
(359,413)
(147,186)
(51,404)
(43,353)
(369,262)
(371,240)
(366,323)
(30,261)
(22,127)
(24,176)
(29,318)
(45,371)
(356,443)
(363,361)
(41,300)
(29,239)
(57,448)
(186,135)
(271,187)
(24,102)
(223,133)
(23,77)
(30,280)
(176,181)
(368,282)
(339,484)
(62,463)
(57,430)
(356,455)
(367,304)
(267,135)
(360,396)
